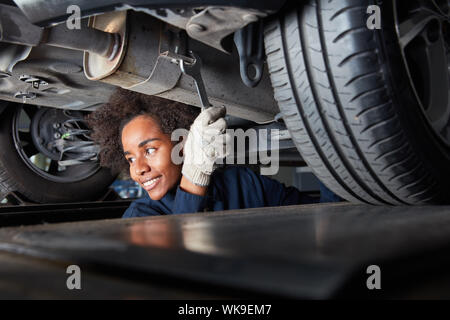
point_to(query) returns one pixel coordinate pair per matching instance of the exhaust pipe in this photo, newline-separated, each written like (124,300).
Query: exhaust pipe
(15,28)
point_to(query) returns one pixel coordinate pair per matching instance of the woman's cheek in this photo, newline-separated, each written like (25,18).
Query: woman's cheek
(162,159)
(157,163)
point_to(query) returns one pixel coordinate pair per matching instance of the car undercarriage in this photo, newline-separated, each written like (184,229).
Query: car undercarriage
(367,107)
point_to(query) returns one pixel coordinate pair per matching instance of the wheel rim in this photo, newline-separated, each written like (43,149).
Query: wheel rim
(423,30)
(54,143)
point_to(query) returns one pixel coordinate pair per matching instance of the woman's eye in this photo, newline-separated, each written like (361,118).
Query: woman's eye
(130,160)
(149,150)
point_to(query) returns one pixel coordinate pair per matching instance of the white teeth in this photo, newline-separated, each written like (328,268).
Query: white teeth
(150,182)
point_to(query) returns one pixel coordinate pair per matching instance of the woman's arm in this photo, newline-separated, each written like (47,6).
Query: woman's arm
(278,194)
(191,188)
(189,202)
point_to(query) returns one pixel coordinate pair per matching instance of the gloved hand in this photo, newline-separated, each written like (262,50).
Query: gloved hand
(205,143)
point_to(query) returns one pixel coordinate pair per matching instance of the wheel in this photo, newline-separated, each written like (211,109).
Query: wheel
(368,109)
(47,156)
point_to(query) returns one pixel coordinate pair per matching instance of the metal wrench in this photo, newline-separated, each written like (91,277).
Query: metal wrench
(193,69)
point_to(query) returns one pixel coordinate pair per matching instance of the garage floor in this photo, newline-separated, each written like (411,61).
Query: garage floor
(310,251)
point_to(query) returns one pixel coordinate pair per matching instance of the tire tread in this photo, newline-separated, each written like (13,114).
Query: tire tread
(343,119)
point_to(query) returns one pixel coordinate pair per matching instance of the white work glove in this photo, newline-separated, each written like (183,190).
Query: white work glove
(205,143)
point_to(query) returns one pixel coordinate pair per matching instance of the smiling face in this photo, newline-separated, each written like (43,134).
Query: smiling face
(148,151)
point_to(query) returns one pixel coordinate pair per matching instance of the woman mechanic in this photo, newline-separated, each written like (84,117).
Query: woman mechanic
(134,130)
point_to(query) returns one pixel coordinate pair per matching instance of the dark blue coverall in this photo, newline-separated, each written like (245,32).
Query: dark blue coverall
(230,188)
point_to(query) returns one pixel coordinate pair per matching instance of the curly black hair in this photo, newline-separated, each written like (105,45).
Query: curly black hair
(108,121)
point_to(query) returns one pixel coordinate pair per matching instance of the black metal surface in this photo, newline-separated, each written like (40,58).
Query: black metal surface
(44,12)
(23,277)
(311,251)
(19,215)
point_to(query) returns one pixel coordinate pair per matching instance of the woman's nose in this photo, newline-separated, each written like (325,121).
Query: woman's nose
(141,167)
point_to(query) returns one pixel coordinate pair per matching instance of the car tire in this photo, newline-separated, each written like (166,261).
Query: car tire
(16,175)
(349,101)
